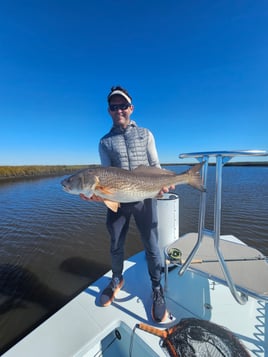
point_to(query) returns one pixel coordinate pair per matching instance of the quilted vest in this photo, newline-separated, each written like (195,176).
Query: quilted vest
(127,148)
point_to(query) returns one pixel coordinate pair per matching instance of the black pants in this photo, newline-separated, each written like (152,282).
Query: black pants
(145,215)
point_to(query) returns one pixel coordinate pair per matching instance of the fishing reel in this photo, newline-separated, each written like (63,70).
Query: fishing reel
(174,254)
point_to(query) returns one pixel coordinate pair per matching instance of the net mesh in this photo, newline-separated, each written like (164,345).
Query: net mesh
(200,338)
(193,337)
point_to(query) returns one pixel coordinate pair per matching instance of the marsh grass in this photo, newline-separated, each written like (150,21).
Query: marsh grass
(9,172)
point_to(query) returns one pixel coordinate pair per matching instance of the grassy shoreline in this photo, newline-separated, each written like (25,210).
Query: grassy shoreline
(31,171)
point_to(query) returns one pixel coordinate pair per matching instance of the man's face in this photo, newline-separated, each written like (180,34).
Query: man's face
(120,116)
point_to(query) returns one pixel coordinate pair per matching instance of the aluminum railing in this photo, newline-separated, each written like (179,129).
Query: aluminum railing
(221,158)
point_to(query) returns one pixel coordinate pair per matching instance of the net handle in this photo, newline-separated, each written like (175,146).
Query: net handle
(153,330)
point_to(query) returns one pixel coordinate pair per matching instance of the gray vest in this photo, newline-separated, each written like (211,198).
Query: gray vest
(127,148)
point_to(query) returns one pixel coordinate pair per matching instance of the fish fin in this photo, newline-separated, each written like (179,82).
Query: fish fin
(195,179)
(152,170)
(102,189)
(112,205)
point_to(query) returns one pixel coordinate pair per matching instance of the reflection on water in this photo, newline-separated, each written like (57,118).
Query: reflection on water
(18,288)
(53,244)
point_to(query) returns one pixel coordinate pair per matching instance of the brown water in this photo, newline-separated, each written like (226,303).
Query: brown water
(53,244)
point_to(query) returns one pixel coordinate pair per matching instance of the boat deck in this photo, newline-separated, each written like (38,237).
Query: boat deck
(83,328)
(247,266)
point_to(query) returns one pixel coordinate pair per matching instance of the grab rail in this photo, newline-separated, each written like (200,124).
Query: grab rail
(221,158)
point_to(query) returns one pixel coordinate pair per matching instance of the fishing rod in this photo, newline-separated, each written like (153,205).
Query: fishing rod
(175,255)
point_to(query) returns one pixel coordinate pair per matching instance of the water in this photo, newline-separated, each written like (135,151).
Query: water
(53,244)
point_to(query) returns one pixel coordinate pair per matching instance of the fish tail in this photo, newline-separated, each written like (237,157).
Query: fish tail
(194,177)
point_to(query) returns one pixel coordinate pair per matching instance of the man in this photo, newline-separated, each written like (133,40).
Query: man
(128,146)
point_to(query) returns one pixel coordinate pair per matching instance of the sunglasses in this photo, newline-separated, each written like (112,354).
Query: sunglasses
(114,107)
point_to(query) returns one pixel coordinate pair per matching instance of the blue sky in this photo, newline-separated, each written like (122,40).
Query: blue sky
(197,71)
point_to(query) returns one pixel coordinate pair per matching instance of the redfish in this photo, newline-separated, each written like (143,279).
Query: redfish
(117,185)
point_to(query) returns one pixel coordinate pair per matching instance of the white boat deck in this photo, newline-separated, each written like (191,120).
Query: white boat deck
(83,328)
(247,266)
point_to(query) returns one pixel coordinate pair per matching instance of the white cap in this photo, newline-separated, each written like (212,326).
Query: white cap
(119,92)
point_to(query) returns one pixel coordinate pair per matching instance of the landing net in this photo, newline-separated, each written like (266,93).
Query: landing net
(198,338)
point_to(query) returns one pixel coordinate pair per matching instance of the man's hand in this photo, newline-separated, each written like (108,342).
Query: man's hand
(92,198)
(165,189)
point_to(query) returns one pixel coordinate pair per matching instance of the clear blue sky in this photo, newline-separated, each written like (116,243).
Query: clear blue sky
(197,72)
